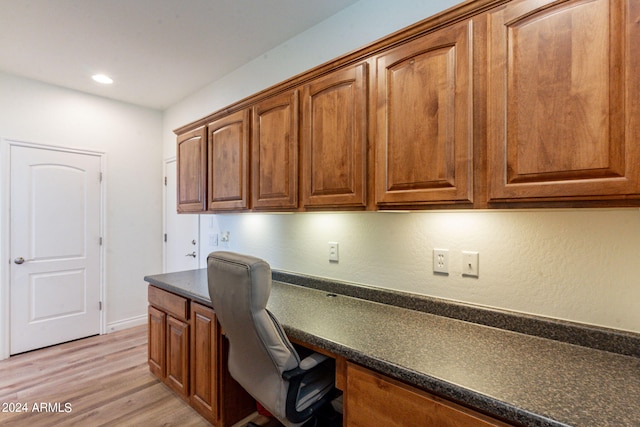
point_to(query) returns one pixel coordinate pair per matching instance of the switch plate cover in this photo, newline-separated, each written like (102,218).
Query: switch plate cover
(333,252)
(470,264)
(441,261)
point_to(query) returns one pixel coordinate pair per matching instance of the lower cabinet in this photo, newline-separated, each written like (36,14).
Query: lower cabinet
(204,369)
(178,355)
(188,352)
(374,399)
(169,339)
(214,393)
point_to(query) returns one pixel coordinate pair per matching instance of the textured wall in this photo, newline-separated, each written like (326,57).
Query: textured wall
(580,265)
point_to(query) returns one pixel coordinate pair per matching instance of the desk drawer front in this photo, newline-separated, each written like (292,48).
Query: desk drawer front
(374,399)
(172,304)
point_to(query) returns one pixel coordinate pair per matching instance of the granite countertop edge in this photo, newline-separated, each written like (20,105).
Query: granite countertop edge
(461,394)
(192,284)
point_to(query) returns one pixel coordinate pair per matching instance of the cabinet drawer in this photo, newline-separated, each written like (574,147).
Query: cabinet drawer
(174,305)
(374,399)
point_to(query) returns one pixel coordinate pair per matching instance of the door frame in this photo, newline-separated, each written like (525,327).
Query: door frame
(5,233)
(165,166)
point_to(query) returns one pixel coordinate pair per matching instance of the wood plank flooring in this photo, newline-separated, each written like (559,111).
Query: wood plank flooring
(97,381)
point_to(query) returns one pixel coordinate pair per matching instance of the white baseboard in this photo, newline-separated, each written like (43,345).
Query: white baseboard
(126,323)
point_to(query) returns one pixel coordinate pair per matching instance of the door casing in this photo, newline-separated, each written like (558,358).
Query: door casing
(169,204)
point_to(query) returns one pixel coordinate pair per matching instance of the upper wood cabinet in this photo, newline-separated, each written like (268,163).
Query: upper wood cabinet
(490,103)
(334,139)
(563,100)
(275,153)
(423,128)
(228,162)
(192,171)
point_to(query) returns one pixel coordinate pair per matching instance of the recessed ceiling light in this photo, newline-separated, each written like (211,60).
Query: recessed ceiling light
(101,78)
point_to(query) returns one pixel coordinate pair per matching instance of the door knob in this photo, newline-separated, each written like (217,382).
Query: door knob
(193,254)
(20,260)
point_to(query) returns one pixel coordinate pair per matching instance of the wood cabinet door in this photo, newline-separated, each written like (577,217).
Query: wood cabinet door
(228,162)
(177,356)
(275,153)
(371,399)
(424,126)
(563,100)
(156,342)
(191,155)
(204,362)
(334,139)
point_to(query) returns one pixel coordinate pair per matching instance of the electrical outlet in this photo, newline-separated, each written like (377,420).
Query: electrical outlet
(470,263)
(333,252)
(441,261)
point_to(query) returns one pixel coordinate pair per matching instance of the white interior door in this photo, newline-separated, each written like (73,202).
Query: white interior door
(181,245)
(55,226)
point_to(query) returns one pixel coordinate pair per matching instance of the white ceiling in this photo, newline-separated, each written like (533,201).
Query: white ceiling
(157,51)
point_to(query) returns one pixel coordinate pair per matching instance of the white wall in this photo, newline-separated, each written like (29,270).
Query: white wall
(580,265)
(131,137)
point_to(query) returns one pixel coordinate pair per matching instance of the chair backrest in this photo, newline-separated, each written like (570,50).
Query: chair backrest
(259,351)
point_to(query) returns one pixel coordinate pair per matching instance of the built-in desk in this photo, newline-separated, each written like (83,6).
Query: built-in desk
(519,378)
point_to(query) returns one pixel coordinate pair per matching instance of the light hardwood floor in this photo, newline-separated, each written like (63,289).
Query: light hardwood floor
(97,381)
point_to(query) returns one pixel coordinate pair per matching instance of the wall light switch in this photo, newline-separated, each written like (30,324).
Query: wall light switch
(470,262)
(225,238)
(333,252)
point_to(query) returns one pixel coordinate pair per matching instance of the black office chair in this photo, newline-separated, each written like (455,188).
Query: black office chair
(261,357)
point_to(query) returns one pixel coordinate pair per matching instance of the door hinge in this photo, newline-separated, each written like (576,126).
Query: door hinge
(100,241)
(100,305)
(100,176)
(165,180)
(165,237)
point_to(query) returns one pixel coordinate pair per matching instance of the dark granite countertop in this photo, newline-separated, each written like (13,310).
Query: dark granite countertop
(518,377)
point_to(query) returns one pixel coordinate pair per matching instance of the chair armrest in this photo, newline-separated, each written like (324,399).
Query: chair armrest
(312,361)
(306,364)
(296,377)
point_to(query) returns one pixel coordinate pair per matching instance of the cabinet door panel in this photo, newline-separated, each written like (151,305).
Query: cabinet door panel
(559,87)
(204,362)
(228,162)
(275,152)
(424,120)
(335,139)
(192,171)
(156,342)
(178,356)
